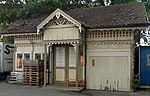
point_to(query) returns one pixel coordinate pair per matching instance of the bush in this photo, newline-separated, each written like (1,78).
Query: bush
(135,84)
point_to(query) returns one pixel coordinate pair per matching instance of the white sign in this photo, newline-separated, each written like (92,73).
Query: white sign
(8,57)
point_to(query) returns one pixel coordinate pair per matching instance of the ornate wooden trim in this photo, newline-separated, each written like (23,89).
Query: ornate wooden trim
(62,42)
(28,37)
(28,45)
(118,34)
(59,21)
(58,13)
(109,45)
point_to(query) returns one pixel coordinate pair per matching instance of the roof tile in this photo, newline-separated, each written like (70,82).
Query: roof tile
(120,15)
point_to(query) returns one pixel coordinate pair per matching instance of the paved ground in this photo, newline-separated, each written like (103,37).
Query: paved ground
(22,90)
(104,93)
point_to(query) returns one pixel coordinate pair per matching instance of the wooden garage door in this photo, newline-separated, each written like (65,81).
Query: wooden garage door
(108,73)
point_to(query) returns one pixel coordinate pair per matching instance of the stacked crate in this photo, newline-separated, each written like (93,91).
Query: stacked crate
(13,77)
(34,73)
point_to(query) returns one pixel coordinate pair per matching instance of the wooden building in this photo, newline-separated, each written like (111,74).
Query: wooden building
(95,45)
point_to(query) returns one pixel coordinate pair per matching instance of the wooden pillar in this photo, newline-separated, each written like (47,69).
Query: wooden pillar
(51,64)
(32,51)
(132,48)
(14,59)
(45,56)
(77,63)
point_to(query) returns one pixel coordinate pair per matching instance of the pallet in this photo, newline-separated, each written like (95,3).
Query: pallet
(72,82)
(33,73)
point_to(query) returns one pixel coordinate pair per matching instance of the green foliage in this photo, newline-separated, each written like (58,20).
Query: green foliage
(35,8)
(12,1)
(135,84)
(7,14)
(147,4)
(123,1)
(7,39)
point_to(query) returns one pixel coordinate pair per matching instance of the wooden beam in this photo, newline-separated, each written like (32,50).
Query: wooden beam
(77,63)
(45,56)
(51,65)
(14,57)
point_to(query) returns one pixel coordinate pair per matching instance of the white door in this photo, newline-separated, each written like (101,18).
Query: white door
(108,73)
(60,64)
(65,67)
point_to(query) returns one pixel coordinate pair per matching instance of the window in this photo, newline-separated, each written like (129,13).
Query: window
(26,58)
(37,56)
(72,57)
(19,61)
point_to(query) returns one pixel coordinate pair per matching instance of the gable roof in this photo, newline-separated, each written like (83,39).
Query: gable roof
(24,25)
(120,15)
(58,13)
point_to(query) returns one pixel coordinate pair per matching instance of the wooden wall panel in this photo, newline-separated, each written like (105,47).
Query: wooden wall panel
(108,70)
(61,34)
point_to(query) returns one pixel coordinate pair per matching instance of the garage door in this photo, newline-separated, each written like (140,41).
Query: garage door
(108,73)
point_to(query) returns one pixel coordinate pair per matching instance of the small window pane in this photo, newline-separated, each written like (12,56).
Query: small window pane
(26,56)
(19,61)
(37,56)
(72,57)
(60,57)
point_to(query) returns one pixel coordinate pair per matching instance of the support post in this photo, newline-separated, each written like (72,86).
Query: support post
(51,64)
(32,44)
(45,56)
(14,57)
(77,63)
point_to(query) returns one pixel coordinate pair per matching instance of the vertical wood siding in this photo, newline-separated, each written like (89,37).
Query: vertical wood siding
(108,71)
(61,34)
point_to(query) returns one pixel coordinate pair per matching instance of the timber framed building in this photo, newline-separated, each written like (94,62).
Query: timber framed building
(95,45)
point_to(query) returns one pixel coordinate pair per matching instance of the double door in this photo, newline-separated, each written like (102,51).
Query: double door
(64,63)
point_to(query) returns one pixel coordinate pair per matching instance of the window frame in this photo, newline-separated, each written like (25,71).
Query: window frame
(16,61)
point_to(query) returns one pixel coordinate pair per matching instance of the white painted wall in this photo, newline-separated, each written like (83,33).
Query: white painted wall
(61,34)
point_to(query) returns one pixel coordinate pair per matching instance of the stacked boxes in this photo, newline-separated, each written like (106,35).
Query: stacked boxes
(34,72)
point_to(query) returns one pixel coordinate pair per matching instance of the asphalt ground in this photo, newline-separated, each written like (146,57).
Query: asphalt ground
(25,90)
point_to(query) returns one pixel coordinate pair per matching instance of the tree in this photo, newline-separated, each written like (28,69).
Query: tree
(8,11)
(12,1)
(9,39)
(12,10)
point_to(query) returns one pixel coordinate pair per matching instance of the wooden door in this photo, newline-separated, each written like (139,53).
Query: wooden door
(108,73)
(65,64)
(60,65)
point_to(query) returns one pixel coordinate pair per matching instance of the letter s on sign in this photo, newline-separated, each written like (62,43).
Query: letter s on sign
(8,49)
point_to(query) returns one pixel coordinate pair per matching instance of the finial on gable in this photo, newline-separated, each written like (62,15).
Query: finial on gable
(107,2)
(58,15)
